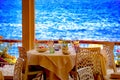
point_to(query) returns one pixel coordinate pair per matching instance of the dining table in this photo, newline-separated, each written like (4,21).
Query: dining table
(58,64)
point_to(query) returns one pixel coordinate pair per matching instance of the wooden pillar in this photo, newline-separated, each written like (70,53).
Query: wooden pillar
(28,24)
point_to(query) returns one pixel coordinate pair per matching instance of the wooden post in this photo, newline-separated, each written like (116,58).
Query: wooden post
(28,24)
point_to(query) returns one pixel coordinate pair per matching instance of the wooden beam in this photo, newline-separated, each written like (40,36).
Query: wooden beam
(28,24)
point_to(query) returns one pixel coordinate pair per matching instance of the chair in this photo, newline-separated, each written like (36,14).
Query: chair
(18,69)
(108,48)
(87,57)
(26,68)
(107,52)
(38,77)
(85,73)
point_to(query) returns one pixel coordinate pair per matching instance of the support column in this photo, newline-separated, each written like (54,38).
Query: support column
(28,24)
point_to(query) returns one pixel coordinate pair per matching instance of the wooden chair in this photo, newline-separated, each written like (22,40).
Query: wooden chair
(26,68)
(18,69)
(87,57)
(85,73)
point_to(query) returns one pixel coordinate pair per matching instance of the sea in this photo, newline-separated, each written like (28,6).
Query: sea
(64,19)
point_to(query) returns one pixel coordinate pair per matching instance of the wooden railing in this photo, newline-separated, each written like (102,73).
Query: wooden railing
(82,41)
(56,41)
(15,43)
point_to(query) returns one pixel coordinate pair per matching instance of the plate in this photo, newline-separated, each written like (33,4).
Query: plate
(41,49)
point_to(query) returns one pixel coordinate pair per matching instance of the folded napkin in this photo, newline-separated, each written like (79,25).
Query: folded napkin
(115,75)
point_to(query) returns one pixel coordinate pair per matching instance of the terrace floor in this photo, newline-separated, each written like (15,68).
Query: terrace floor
(8,71)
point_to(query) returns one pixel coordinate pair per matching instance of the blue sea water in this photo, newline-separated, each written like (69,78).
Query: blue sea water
(64,19)
(81,19)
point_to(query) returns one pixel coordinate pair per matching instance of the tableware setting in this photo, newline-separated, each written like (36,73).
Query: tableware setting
(41,49)
(57,47)
(52,48)
(65,51)
(65,47)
